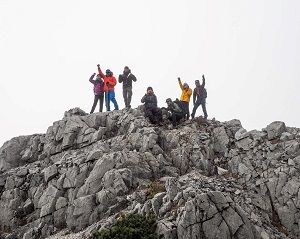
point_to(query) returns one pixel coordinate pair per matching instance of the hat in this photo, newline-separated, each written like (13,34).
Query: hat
(126,67)
(168,100)
(108,71)
(149,88)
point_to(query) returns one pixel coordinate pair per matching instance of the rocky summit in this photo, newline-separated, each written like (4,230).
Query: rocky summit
(203,179)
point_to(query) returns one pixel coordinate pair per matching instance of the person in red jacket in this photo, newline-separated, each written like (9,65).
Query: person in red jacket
(109,88)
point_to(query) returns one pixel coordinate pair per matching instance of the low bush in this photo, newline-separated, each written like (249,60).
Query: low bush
(154,188)
(132,226)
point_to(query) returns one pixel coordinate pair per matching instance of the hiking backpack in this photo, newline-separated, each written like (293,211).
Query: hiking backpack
(181,106)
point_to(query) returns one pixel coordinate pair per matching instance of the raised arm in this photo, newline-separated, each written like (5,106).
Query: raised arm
(180,84)
(203,81)
(91,78)
(100,72)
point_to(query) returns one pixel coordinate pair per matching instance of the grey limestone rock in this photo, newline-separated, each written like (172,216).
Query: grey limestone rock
(50,173)
(48,200)
(221,140)
(213,179)
(275,129)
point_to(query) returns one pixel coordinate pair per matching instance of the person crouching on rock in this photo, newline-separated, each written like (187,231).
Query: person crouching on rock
(152,111)
(185,97)
(98,92)
(176,113)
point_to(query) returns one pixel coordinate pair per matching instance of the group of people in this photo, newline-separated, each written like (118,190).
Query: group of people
(178,109)
(104,88)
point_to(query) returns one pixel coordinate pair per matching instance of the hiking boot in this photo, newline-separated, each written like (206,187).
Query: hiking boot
(193,116)
(116,108)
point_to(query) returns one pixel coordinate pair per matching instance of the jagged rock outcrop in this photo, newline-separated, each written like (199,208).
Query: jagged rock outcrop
(204,179)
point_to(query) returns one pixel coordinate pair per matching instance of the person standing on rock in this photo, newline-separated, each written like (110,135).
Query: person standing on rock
(127,77)
(98,92)
(152,111)
(185,97)
(199,97)
(109,88)
(176,113)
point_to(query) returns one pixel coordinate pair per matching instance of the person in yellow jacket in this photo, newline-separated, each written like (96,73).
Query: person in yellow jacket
(185,97)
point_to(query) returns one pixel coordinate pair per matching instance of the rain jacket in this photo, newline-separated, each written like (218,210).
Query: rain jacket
(127,79)
(109,81)
(150,101)
(199,92)
(98,86)
(186,94)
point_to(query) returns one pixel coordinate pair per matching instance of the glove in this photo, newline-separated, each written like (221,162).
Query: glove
(98,65)
(203,77)
(178,78)
(94,74)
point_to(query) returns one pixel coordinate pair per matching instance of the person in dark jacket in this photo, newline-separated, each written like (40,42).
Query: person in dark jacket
(199,97)
(98,92)
(152,111)
(176,113)
(127,77)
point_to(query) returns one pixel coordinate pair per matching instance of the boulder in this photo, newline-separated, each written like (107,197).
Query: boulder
(275,129)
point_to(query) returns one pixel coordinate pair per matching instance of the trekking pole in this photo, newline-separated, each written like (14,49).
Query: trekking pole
(106,97)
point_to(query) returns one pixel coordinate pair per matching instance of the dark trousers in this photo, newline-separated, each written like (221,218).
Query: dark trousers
(202,102)
(186,109)
(154,115)
(96,98)
(127,94)
(175,118)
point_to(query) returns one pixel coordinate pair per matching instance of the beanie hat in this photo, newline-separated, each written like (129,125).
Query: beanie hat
(108,71)
(149,88)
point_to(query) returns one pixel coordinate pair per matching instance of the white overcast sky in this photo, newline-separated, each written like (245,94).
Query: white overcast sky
(248,50)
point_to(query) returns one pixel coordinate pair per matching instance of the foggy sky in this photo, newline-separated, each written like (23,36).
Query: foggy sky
(249,52)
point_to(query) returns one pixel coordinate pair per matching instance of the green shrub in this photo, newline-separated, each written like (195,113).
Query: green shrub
(132,226)
(154,188)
